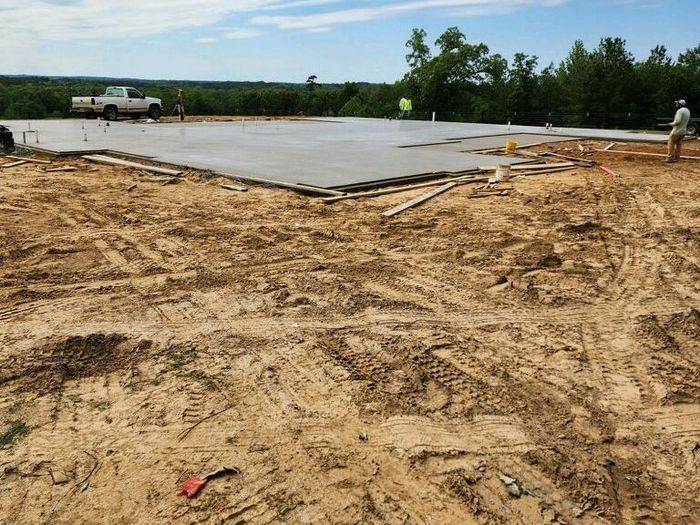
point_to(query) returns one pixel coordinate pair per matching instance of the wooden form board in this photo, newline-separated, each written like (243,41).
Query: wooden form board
(103,159)
(13,164)
(644,153)
(27,159)
(521,167)
(399,189)
(582,162)
(64,168)
(419,200)
(288,185)
(233,187)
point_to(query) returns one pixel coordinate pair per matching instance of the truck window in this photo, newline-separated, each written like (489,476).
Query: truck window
(133,93)
(114,92)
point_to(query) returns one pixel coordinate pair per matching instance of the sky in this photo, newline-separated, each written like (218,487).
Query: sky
(289,40)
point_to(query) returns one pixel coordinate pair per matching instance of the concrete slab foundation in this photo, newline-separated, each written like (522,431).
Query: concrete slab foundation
(325,153)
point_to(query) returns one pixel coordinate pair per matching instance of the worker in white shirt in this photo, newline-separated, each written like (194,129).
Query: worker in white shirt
(680,128)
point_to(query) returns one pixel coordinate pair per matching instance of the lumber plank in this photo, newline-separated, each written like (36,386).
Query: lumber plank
(64,168)
(419,200)
(28,159)
(13,164)
(582,162)
(609,146)
(520,167)
(399,189)
(288,185)
(103,159)
(644,153)
(544,172)
(502,148)
(233,187)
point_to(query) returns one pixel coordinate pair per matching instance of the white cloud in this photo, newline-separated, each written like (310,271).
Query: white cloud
(241,33)
(70,20)
(366,14)
(204,40)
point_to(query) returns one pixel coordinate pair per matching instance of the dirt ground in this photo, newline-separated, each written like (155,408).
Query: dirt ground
(355,370)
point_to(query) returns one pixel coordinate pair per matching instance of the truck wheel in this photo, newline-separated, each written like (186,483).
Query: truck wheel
(692,128)
(110,113)
(154,112)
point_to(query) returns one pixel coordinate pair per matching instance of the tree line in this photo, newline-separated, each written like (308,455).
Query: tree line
(458,80)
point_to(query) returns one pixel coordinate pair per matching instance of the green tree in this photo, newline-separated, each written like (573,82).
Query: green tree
(420,52)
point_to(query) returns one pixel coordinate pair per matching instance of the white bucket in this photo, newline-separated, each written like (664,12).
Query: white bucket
(502,173)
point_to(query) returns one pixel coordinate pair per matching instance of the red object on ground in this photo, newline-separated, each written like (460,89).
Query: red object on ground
(192,487)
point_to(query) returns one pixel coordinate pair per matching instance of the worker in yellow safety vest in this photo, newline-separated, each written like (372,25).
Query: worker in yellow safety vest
(408,107)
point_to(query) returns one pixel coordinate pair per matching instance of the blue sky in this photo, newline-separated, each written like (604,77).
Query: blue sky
(288,40)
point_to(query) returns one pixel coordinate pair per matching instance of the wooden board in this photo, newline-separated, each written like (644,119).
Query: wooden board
(544,172)
(103,159)
(13,164)
(64,168)
(288,185)
(399,189)
(233,187)
(644,153)
(419,200)
(581,162)
(521,167)
(27,159)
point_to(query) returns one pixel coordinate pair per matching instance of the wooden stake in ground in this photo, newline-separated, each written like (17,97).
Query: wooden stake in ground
(419,200)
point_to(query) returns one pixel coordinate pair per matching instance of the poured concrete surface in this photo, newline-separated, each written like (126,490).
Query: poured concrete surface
(327,153)
(495,141)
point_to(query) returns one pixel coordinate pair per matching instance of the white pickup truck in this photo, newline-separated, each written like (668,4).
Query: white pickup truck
(116,101)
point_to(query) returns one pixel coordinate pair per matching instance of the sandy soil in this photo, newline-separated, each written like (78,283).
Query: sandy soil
(355,370)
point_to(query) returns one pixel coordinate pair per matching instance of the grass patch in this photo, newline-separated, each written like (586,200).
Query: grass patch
(17,430)
(180,355)
(202,377)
